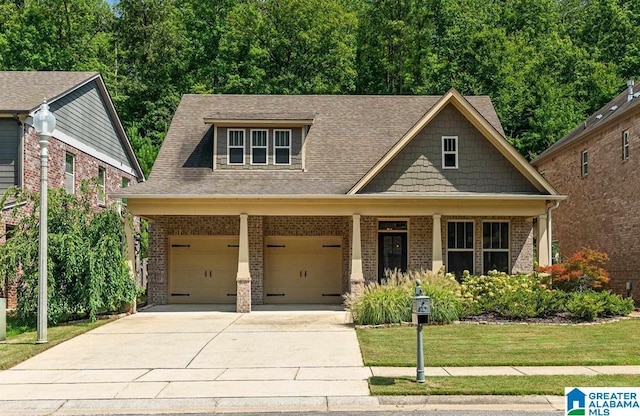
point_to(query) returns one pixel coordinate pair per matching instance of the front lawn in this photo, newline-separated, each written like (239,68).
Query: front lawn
(495,385)
(504,345)
(21,340)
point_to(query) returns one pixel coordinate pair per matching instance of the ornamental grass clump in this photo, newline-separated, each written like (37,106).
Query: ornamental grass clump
(391,301)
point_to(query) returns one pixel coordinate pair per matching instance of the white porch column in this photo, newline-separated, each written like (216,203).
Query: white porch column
(356,279)
(543,241)
(243,278)
(436,262)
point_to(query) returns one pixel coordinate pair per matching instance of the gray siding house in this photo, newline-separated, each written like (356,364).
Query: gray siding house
(89,140)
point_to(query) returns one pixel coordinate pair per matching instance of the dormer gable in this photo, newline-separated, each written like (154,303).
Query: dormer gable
(259,141)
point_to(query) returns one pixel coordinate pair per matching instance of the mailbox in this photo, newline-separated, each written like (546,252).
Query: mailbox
(421,309)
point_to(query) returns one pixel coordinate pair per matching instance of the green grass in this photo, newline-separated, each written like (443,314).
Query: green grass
(492,345)
(495,385)
(21,339)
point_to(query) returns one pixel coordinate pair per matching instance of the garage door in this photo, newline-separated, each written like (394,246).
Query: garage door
(202,269)
(303,270)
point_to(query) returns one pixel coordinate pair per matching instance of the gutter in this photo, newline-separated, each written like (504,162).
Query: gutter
(345,197)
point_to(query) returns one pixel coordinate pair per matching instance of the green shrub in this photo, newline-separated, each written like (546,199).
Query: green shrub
(586,305)
(616,305)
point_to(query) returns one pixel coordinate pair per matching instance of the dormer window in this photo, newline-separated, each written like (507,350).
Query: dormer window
(259,142)
(235,147)
(282,147)
(450,152)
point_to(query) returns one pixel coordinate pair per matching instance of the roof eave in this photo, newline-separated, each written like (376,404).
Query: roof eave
(388,196)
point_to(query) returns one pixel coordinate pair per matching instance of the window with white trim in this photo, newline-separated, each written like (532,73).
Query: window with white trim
(235,147)
(69,173)
(460,254)
(585,163)
(282,147)
(625,145)
(259,141)
(102,182)
(495,246)
(450,152)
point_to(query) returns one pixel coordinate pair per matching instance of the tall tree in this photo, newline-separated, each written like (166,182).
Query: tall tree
(288,47)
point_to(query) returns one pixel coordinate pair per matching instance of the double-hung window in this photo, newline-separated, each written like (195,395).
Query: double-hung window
(460,247)
(585,163)
(235,147)
(495,246)
(69,173)
(102,181)
(625,145)
(450,152)
(282,147)
(259,141)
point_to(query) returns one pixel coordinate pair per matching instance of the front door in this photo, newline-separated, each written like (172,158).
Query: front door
(392,253)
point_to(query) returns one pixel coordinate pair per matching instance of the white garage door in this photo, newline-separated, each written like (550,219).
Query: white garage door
(202,269)
(303,269)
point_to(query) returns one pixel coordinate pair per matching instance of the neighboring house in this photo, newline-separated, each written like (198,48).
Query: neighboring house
(596,165)
(88,142)
(300,199)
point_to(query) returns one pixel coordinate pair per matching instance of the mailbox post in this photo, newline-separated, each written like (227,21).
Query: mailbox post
(420,316)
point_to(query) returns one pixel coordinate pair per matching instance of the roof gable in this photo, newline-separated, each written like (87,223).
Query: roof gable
(493,136)
(87,118)
(418,167)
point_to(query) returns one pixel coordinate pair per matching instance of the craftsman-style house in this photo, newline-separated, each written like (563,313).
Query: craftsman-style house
(300,199)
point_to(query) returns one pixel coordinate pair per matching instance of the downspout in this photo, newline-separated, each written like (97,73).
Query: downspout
(549,231)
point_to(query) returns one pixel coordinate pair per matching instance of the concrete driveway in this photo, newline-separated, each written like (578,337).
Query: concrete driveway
(189,352)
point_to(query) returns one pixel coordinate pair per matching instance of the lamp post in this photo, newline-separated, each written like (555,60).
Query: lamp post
(44,123)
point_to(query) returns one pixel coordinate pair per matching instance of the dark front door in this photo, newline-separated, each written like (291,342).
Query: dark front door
(392,253)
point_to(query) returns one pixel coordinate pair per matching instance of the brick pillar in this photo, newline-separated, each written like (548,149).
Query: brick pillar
(158,284)
(243,278)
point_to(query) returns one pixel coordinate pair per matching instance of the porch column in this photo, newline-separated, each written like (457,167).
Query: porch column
(356,280)
(543,241)
(437,262)
(243,278)
(130,256)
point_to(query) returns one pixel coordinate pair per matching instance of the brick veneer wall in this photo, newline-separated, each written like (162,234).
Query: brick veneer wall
(601,210)
(419,240)
(86,167)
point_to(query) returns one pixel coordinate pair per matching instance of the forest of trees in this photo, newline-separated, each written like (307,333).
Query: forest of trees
(546,64)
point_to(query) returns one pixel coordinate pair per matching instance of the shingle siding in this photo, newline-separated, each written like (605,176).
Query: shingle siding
(481,167)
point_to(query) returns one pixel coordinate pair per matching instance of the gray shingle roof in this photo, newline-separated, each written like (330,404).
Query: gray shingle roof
(610,111)
(22,91)
(350,134)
